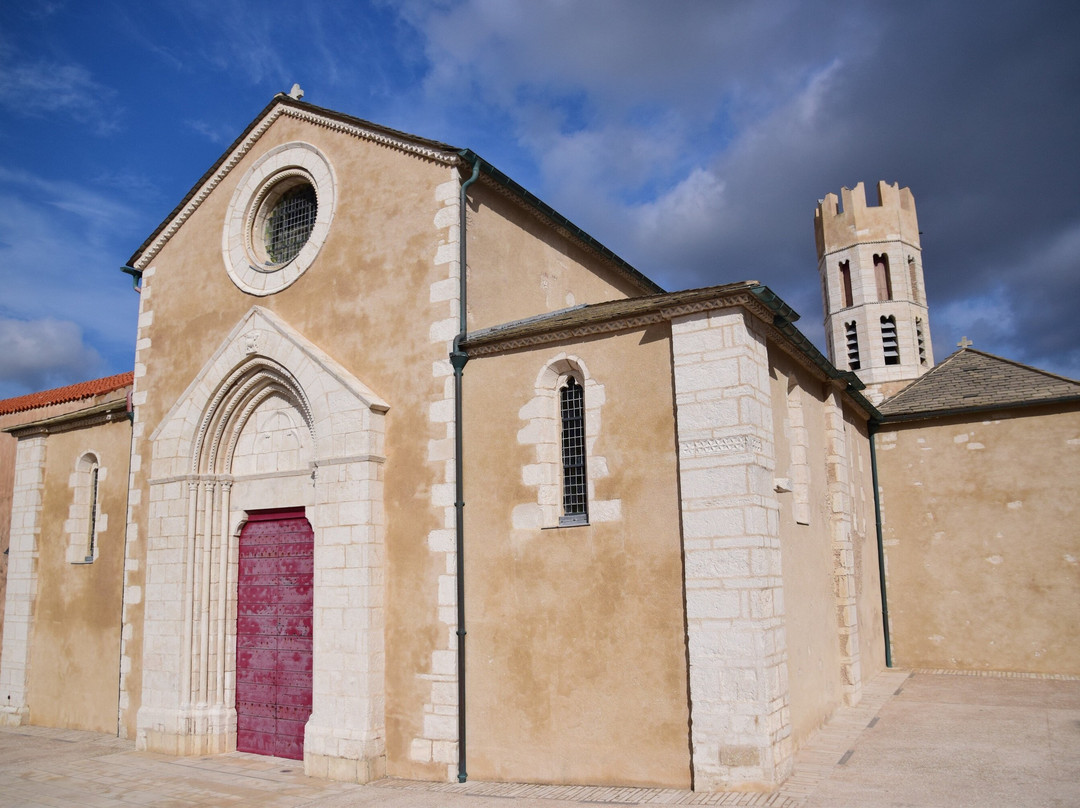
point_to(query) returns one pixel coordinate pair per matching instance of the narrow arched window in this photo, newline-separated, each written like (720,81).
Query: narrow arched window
(845,282)
(913,279)
(91,538)
(574,482)
(85,520)
(883,277)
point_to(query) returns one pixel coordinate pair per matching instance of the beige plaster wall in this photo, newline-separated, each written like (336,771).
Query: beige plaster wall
(807,552)
(829,545)
(576,639)
(520,267)
(981,541)
(75,650)
(7,475)
(367,300)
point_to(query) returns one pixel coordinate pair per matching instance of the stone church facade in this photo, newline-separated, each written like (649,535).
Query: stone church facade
(425,482)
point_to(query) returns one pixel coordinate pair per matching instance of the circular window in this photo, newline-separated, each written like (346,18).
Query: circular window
(278,218)
(283,222)
(289,223)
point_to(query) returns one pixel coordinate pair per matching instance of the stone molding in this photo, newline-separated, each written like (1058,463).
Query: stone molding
(21,596)
(737,646)
(289,160)
(108,412)
(437,741)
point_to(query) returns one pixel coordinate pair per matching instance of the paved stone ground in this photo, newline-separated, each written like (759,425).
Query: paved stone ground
(917,740)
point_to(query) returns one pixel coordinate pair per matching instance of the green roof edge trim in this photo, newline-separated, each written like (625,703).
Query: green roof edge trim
(784,318)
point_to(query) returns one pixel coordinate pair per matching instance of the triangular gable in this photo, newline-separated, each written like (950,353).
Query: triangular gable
(283,105)
(412,144)
(975,380)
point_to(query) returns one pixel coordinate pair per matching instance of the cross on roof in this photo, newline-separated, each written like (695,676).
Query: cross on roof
(964,343)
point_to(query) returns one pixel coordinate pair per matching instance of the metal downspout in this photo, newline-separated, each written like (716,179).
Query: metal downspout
(880,545)
(129,405)
(458,358)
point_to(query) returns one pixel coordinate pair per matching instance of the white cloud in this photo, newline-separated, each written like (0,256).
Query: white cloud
(61,245)
(44,353)
(68,90)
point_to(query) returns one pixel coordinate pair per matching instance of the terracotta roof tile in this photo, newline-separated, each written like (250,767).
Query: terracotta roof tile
(974,380)
(62,395)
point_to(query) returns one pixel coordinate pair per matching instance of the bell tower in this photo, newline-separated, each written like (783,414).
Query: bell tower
(870,263)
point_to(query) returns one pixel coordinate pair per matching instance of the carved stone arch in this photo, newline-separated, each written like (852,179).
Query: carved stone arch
(232,406)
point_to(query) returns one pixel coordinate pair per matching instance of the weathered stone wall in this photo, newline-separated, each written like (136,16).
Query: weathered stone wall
(64,593)
(739,691)
(981,541)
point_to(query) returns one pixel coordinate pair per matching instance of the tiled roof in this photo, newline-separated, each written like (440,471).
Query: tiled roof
(974,380)
(62,395)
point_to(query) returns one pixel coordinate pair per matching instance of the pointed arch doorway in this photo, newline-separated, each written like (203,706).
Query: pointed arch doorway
(274,632)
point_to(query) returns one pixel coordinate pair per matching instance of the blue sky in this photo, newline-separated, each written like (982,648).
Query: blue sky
(692,138)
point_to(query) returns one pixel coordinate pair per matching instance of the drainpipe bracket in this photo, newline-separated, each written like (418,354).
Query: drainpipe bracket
(458,358)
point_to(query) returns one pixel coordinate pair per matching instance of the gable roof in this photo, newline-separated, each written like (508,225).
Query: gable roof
(63,395)
(283,104)
(970,381)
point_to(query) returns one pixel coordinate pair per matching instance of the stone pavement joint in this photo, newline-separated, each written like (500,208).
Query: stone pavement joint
(944,740)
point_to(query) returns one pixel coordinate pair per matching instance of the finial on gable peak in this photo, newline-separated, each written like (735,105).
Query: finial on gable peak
(296,92)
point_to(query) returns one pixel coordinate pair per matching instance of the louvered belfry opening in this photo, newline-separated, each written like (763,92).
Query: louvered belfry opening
(889,343)
(852,337)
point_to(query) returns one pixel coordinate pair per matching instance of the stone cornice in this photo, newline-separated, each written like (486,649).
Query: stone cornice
(860,243)
(105,413)
(661,313)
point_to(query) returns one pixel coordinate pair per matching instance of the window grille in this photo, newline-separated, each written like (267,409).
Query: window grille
(888,340)
(290,224)
(852,345)
(922,341)
(91,539)
(575,484)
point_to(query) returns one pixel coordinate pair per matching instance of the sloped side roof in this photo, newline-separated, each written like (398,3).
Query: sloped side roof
(617,315)
(63,395)
(971,380)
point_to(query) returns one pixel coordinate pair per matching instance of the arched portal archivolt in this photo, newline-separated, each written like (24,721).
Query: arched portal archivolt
(256,394)
(252,388)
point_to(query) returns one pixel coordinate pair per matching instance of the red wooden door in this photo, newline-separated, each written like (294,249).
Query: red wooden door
(273,633)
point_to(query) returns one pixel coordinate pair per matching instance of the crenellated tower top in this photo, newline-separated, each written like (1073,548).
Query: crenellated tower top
(870,263)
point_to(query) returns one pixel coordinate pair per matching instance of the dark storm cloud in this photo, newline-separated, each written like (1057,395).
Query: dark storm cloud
(697,143)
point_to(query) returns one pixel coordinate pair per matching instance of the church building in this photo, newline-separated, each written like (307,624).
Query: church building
(415,478)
